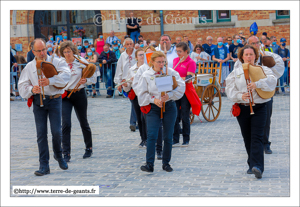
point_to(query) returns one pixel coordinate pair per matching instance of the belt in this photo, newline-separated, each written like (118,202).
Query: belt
(247,104)
(55,96)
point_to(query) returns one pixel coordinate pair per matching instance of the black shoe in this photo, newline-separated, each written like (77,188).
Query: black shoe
(268,150)
(42,171)
(62,163)
(167,168)
(148,167)
(67,157)
(142,144)
(94,95)
(159,155)
(108,96)
(132,127)
(185,144)
(88,153)
(257,172)
(249,171)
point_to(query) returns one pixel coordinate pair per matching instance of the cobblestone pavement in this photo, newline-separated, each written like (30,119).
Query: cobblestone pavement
(214,164)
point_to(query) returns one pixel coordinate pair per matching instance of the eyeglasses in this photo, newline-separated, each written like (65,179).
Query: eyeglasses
(240,33)
(255,43)
(39,51)
(160,62)
(67,52)
(140,55)
(198,49)
(178,51)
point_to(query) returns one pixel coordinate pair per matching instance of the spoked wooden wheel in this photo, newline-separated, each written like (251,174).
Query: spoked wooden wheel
(211,103)
(192,116)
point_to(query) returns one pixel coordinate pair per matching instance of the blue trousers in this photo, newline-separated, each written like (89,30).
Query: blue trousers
(269,105)
(52,108)
(283,78)
(108,77)
(252,128)
(135,36)
(132,120)
(153,125)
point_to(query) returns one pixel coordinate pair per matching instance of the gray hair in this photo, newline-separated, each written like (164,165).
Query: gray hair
(127,39)
(249,39)
(209,37)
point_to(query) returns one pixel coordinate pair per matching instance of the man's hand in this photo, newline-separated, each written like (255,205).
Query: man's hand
(15,64)
(235,59)
(43,82)
(284,59)
(198,58)
(104,61)
(82,81)
(36,89)
(246,96)
(251,86)
(120,89)
(158,103)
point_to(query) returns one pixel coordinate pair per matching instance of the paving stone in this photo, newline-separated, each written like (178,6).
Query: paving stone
(214,164)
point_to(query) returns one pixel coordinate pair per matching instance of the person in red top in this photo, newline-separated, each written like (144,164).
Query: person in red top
(99,43)
(186,66)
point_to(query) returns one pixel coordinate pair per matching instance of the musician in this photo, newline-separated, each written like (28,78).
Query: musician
(78,100)
(186,67)
(171,49)
(29,85)
(126,61)
(127,87)
(277,70)
(140,71)
(252,126)
(151,102)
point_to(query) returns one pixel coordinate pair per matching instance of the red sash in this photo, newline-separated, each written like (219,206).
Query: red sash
(29,101)
(146,109)
(193,98)
(235,110)
(131,94)
(64,94)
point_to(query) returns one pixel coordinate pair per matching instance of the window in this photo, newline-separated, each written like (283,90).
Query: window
(223,16)
(77,23)
(205,16)
(282,14)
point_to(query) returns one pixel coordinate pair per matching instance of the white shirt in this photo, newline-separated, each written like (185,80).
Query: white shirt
(131,73)
(29,78)
(124,63)
(137,77)
(76,74)
(236,85)
(171,54)
(202,54)
(148,90)
(278,68)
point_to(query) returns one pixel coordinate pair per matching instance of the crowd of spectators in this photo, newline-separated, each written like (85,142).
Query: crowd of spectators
(219,50)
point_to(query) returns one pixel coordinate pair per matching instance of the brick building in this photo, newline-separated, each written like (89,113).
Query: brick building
(27,25)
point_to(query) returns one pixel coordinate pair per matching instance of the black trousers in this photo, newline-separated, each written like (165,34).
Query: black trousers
(252,128)
(141,122)
(268,122)
(183,113)
(77,100)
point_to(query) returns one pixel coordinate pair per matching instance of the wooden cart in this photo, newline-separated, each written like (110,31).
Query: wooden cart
(210,95)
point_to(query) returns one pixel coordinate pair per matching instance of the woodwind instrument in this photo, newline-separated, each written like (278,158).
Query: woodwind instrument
(163,109)
(247,78)
(39,77)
